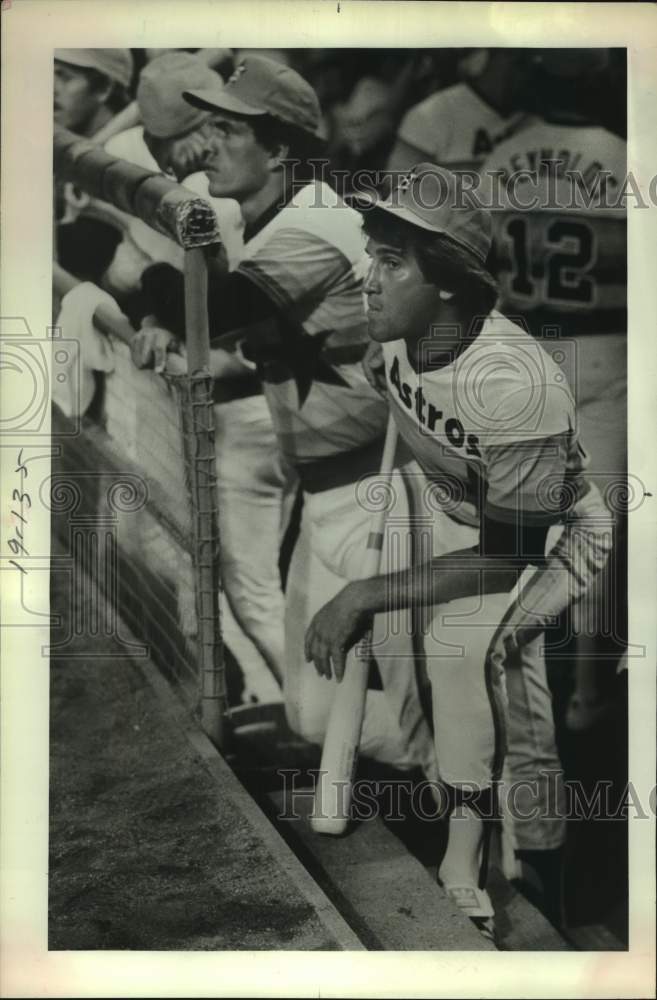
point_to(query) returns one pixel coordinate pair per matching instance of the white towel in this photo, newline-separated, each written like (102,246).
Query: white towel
(83,349)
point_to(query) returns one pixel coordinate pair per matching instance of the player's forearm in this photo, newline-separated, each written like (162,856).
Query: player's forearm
(445,578)
(233,301)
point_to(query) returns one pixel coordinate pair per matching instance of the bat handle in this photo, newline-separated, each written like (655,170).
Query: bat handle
(340,754)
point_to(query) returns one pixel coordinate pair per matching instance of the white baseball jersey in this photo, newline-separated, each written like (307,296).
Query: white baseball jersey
(566,257)
(495,428)
(495,432)
(309,259)
(456,128)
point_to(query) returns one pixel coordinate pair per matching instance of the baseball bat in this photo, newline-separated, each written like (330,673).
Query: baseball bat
(340,753)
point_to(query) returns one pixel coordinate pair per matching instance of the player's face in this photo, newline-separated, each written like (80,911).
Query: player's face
(235,163)
(401,304)
(76,100)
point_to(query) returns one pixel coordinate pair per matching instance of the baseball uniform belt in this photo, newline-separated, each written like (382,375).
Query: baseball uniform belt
(338,470)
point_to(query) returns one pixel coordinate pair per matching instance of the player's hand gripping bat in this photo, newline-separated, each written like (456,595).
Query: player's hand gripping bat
(340,754)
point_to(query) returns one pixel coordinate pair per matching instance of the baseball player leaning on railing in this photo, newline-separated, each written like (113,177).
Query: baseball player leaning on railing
(253,485)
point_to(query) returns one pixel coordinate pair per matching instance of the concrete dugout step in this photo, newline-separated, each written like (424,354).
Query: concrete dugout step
(381,876)
(385,894)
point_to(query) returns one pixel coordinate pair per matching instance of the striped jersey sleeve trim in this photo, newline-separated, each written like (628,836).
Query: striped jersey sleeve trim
(532,518)
(295,266)
(259,276)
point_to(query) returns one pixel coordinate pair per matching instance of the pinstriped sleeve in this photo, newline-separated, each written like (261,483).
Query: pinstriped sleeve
(295,266)
(526,481)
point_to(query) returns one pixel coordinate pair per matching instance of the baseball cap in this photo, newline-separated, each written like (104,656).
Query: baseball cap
(261,86)
(117,64)
(164,113)
(430,198)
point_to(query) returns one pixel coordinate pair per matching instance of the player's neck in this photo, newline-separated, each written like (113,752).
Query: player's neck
(450,334)
(100,117)
(272,194)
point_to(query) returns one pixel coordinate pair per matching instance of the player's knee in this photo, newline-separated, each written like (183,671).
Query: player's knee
(471,768)
(255,607)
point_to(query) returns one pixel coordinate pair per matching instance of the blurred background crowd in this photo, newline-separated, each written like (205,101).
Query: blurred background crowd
(366,93)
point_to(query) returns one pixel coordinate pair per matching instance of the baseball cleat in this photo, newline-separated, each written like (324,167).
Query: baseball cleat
(475,904)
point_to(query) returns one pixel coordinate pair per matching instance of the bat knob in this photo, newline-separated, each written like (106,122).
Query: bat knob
(331,807)
(193,221)
(333,826)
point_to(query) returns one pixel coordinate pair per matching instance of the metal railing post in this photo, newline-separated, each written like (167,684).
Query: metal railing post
(191,222)
(202,479)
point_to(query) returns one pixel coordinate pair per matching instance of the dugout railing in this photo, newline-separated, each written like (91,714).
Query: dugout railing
(133,488)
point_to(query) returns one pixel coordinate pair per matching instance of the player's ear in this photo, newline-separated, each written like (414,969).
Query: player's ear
(103,88)
(280,152)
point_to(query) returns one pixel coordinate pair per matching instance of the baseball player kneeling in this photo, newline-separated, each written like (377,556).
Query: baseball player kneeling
(490,420)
